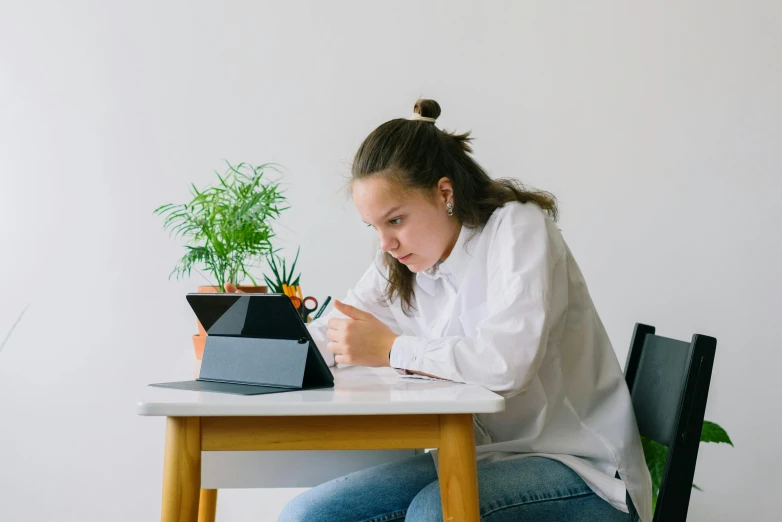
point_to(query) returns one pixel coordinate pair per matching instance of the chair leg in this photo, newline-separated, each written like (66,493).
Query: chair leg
(207,507)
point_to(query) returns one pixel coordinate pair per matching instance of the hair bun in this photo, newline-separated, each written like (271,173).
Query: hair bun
(427,108)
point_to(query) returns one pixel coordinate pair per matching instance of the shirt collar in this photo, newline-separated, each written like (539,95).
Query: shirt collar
(454,267)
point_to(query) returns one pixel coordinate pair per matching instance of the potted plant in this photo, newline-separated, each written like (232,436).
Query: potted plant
(656,453)
(281,275)
(227,229)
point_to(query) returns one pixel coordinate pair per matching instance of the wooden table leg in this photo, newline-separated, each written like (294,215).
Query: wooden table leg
(182,469)
(207,507)
(458,472)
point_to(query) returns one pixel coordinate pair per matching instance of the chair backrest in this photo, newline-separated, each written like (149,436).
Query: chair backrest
(669,384)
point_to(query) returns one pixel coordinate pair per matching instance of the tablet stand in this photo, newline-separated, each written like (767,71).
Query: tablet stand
(249,366)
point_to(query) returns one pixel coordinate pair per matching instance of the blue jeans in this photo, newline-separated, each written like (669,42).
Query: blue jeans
(526,489)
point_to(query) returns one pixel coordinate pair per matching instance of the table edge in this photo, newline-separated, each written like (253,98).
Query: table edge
(154,409)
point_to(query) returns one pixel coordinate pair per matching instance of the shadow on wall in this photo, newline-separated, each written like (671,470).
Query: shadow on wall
(8,335)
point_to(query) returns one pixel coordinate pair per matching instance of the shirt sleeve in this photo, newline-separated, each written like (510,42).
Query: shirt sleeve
(511,340)
(367,295)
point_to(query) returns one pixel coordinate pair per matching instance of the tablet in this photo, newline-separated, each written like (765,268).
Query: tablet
(256,343)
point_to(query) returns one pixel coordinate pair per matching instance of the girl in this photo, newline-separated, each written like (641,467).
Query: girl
(475,284)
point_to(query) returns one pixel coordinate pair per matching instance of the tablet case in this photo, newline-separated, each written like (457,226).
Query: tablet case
(256,344)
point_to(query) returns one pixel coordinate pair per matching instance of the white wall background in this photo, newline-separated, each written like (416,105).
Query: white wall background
(656,124)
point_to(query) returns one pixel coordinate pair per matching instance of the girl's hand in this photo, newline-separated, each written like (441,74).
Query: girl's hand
(230,288)
(361,340)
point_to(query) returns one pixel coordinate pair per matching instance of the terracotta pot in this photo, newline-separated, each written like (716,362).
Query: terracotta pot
(199,340)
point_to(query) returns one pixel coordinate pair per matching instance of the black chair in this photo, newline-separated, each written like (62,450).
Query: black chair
(669,383)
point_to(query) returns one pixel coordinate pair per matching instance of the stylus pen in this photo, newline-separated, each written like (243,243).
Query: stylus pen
(322,308)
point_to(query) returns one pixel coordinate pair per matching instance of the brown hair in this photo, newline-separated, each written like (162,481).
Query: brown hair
(415,154)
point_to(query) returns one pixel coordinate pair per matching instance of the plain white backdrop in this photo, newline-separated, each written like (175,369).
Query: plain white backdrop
(656,124)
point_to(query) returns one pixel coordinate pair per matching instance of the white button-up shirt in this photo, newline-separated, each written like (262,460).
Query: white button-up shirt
(509,310)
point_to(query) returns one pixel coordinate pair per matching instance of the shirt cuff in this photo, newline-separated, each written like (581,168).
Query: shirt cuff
(406,352)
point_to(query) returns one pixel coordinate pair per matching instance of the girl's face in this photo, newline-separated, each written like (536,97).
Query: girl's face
(412,227)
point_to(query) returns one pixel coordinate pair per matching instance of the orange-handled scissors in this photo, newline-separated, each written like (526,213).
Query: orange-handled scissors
(308,305)
(297,300)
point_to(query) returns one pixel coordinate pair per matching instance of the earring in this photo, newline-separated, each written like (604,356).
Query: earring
(449,206)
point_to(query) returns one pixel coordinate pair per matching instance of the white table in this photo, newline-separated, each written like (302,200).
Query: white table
(368,409)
